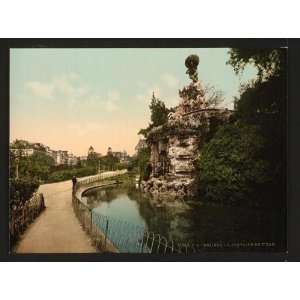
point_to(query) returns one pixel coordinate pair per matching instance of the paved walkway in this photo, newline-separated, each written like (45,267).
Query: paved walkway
(56,230)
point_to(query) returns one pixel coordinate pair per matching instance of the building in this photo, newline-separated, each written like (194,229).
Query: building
(72,160)
(121,155)
(92,153)
(61,157)
(23,152)
(91,150)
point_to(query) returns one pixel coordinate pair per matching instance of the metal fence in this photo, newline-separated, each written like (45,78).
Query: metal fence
(23,215)
(114,235)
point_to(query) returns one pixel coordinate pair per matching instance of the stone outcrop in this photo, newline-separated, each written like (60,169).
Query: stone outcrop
(176,144)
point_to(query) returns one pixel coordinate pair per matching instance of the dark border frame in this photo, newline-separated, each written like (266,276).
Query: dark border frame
(293,160)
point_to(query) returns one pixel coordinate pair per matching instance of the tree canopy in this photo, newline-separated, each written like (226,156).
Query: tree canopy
(269,62)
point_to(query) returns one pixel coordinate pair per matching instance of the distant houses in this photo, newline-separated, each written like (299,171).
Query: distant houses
(121,155)
(60,157)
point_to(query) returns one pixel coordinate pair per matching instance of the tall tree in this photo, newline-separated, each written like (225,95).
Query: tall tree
(159,114)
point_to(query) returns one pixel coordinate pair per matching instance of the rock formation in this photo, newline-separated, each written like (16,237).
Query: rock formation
(176,144)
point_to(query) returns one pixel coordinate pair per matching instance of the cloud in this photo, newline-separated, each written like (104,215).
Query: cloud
(111,106)
(74,93)
(68,86)
(166,90)
(146,95)
(112,99)
(170,80)
(39,89)
(83,129)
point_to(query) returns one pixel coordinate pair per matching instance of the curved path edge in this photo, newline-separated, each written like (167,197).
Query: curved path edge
(56,230)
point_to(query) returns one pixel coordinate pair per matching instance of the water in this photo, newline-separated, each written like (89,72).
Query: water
(227,227)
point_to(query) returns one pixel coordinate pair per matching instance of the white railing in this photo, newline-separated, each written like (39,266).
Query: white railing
(99,177)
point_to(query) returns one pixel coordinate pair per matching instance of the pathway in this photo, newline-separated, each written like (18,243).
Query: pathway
(56,230)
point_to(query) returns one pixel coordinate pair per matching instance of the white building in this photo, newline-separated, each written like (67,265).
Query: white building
(23,152)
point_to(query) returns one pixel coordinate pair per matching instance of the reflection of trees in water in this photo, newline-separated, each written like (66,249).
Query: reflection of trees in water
(200,223)
(212,223)
(236,224)
(98,195)
(157,220)
(169,222)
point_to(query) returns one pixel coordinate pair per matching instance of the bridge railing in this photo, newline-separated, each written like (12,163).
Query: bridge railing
(99,177)
(114,235)
(24,214)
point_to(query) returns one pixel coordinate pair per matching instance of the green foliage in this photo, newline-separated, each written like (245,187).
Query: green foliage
(37,166)
(269,62)
(141,164)
(244,161)
(192,61)
(21,144)
(133,164)
(231,166)
(92,160)
(109,162)
(143,159)
(68,173)
(159,115)
(159,112)
(263,103)
(21,189)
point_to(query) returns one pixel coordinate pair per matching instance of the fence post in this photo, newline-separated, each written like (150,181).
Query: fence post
(91,223)
(106,230)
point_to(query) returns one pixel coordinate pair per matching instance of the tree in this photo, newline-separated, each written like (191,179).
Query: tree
(39,165)
(159,114)
(21,190)
(268,61)
(143,162)
(109,162)
(263,102)
(92,160)
(244,161)
(213,97)
(232,167)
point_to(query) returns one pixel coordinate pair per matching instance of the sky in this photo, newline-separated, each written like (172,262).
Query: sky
(69,99)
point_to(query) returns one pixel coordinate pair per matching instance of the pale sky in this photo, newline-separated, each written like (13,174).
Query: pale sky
(69,99)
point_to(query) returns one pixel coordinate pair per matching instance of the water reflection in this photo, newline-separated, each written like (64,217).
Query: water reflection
(192,221)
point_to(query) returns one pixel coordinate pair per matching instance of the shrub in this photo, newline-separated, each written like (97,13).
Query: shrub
(22,189)
(232,167)
(67,174)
